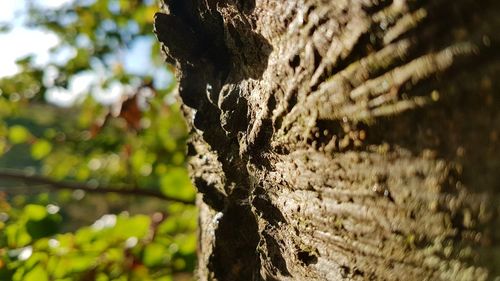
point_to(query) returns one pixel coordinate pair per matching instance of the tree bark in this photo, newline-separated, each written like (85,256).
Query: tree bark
(341,140)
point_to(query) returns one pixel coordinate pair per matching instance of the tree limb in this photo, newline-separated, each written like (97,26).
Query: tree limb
(58,185)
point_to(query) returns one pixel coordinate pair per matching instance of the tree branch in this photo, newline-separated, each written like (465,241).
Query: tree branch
(58,185)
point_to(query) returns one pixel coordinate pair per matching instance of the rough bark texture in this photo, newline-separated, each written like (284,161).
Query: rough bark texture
(342,140)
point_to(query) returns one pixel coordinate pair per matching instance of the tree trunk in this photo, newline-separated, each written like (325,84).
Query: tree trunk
(342,140)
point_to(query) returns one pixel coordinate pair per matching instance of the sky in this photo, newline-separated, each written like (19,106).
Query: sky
(21,41)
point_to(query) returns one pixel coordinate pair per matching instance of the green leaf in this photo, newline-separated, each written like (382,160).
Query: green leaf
(176,183)
(82,236)
(37,274)
(115,254)
(155,254)
(81,262)
(18,134)
(17,236)
(136,226)
(35,212)
(169,226)
(187,244)
(41,149)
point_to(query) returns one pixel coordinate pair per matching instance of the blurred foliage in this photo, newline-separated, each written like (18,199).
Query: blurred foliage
(138,141)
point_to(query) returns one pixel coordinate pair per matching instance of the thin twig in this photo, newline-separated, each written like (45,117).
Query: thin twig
(58,185)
